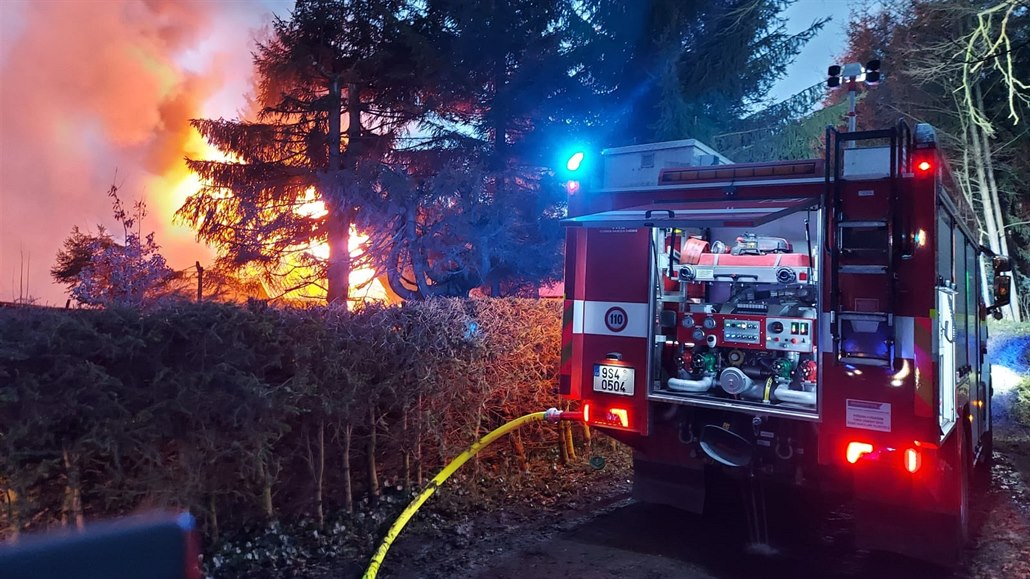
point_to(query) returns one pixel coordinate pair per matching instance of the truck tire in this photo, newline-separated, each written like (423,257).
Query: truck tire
(965,485)
(937,535)
(982,469)
(956,527)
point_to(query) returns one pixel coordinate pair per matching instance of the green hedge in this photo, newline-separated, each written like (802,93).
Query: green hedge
(245,414)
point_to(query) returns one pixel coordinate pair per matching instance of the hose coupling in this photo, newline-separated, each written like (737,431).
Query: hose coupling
(554,416)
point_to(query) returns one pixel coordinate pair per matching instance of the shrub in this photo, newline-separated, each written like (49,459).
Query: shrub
(245,413)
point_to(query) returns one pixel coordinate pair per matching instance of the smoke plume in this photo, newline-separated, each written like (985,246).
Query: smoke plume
(100,92)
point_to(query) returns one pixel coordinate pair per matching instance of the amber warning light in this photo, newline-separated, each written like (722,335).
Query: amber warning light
(605,417)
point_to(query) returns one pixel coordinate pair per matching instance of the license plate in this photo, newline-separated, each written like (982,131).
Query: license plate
(613,379)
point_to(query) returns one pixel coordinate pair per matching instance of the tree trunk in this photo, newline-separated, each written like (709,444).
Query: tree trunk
(12,506)
(419,264)
(339,207)
(965,179)
(407,447)
(348,489)
(418,445)
(476,429)
(73,491)
(498,109)
(316,466)
(570,441)
(397,266)
(520,451)
(373,478)
(999,220)
(354,144)
(320,480)
(212,512)
(339,259)
(979,177)
(563,449)
(266,490)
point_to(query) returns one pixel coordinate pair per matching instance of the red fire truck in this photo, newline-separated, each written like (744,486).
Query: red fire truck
(821,323)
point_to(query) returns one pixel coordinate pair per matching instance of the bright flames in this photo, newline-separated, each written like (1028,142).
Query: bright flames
(364,286)
(180,184)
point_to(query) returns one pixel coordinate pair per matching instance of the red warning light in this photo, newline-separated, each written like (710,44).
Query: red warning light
(924,166)
(572,187)
(856,450)
(913,460)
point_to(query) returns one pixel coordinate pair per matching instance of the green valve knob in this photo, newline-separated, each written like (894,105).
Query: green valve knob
(782,368)
(709,361)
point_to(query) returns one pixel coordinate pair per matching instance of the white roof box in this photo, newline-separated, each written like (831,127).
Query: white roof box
(639,165)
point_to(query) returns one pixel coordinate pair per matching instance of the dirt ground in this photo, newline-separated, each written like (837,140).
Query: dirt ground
(1003,544)
(612,536)
(602,533)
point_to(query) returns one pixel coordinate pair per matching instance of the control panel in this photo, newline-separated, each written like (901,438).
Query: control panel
(789,334)
(737,331)
(753,332)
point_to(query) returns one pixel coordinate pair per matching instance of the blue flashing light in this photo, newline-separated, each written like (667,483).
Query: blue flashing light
(575,161)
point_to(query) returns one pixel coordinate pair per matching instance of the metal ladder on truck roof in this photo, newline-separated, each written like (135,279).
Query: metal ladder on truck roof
(862,185)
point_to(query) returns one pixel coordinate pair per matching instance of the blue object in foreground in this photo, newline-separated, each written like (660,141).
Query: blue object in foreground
(153,546)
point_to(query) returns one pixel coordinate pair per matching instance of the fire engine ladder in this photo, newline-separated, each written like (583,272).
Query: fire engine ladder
(863,247)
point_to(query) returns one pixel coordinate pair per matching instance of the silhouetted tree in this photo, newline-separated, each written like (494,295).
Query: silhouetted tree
(335,86)
(946,62)
(99,271)
(674,70)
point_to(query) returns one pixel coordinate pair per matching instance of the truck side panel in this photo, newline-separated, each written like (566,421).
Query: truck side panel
(609,323)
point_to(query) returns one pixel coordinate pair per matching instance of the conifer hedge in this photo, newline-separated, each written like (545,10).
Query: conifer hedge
(243,414)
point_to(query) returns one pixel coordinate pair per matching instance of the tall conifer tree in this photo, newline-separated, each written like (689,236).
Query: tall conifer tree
(335,88)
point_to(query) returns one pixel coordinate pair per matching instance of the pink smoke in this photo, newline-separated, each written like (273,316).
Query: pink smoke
(88,88)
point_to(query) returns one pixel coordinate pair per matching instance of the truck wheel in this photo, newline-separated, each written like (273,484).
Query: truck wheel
(957,526)
(982,469)
(938,535)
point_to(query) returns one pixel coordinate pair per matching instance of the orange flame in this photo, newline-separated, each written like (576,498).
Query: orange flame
(363,283)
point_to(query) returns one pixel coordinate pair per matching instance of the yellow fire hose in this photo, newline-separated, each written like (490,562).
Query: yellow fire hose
(552,415)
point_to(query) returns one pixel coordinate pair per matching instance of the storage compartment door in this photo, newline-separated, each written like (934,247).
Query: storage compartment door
(612,320)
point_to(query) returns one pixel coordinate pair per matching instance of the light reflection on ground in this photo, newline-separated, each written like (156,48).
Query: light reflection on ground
(1009,362)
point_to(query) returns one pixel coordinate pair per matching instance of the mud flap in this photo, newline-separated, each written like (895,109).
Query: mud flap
(677,486)
(936,533)
(931,537)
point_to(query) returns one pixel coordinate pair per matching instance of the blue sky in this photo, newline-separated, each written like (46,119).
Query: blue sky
(810,65)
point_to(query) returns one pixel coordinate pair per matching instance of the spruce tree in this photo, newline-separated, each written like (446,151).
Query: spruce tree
(335,86)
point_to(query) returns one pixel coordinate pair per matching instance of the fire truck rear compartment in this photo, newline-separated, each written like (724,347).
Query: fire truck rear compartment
(817,334)
(737,310)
